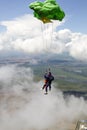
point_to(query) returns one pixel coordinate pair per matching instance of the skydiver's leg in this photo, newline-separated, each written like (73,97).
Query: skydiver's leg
(44,84)
(46,88)
(49,87)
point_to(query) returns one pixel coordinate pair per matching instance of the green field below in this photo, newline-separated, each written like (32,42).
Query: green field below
(71,77)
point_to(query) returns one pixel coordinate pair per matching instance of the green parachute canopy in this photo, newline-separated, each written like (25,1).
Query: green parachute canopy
(47,11)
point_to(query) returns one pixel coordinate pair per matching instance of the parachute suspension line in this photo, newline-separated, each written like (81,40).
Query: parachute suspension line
(49,35)
(52,35)
(47,40)
(46,36)
(46,33)
(44,30)
(43,40)
(50,31)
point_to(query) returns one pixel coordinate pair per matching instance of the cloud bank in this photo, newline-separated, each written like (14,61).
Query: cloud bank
(23,105)
(29,35)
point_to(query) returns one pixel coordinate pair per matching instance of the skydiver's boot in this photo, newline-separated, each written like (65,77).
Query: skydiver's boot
(46,93)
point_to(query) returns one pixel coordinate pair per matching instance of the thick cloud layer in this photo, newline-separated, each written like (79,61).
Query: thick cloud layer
(27,34)
(23,105)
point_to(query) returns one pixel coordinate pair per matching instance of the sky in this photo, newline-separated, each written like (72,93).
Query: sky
(17,24)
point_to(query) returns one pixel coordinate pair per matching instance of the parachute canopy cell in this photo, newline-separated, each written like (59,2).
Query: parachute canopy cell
(47,11)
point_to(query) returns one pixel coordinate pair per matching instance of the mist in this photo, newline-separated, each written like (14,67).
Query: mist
(23,105)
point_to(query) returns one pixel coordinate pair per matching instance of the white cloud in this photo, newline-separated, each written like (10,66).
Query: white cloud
(77,48)
(27,34)
(73,43)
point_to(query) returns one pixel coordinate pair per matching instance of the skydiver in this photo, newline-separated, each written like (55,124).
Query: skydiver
(48,81)
(51,78)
